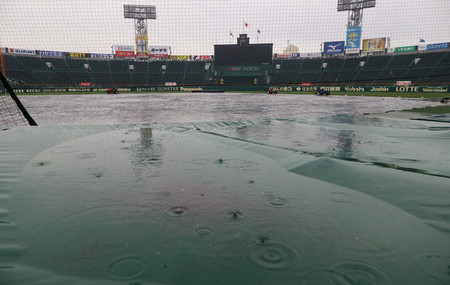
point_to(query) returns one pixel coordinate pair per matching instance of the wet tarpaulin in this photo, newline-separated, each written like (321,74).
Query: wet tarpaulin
(345,199)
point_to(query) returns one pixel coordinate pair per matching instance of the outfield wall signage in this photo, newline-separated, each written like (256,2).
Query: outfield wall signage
(437,46)
(123,51)
(180,57)
(3,50)
(403,83)
(79,54)
(283,56)
(22,51)
(435,90)
(141,46)
(159,51)
(102,55)
(287,56)
(353,40)
(405,49)
(50,53)
(310,54)
(289,88)
(374,45)
(202,57)
(333,47)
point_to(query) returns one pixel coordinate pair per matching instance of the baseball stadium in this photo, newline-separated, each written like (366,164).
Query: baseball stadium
(233,142)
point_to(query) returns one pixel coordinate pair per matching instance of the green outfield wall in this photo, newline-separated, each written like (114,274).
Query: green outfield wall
(245,88)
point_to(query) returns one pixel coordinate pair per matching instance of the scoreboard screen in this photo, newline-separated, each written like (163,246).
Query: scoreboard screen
(251,54)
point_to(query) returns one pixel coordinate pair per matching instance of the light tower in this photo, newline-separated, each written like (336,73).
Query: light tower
(355,13)
(355,10)
(140,14)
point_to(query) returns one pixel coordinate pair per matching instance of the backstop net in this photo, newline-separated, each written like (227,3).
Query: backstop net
(62,46)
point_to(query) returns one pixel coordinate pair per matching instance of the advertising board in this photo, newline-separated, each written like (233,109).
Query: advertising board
(202,57)
(50,53)
(333,47)
(78,54)
(123,50)
(374,45)
(405,49)
(159,51)
(180,57)
(22,51)
(141,46)
(437,46)
(353,40)
(101,55)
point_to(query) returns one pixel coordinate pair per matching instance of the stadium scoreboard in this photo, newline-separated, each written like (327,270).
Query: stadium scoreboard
(243,53)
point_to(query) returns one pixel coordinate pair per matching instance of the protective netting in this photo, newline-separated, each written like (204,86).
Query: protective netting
(53,46)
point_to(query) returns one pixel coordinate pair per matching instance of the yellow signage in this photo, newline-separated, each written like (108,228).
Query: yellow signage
(180,57)
(77,54)
(141,44)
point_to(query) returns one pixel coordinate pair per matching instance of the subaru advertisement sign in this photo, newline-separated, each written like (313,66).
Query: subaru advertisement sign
(333,47)
(437,46)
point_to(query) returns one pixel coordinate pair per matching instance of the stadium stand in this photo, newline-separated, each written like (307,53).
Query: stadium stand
(417,67)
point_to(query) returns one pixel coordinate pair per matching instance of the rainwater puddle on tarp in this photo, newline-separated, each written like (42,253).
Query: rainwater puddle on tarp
(225,198)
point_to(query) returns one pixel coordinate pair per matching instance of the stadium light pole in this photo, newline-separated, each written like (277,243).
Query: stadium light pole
(140,14)
(355,10)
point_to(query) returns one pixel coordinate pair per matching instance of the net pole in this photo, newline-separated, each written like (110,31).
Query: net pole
(1,59)
(16,99)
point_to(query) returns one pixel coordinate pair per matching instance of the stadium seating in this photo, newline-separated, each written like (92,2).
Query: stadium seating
(432,67)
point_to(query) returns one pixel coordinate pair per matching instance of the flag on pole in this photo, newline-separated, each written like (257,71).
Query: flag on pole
(259,32)
(422,40)
(231,34)
(246,24)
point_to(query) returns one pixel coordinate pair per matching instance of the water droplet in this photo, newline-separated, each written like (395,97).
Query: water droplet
(262,240)
(41,163)
(355,273)
(177,211)
(235,216)
(203,232)
(158,219)
(276,202)
(126,268)
(430,264)
(274,256)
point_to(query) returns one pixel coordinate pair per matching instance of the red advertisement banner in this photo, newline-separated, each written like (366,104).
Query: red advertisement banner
(124,53)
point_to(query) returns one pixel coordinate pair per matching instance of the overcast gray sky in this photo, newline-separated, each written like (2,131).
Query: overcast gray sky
(194,26)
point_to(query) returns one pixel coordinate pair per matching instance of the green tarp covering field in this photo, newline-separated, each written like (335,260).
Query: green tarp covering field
(338,199)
